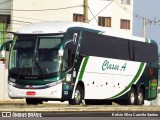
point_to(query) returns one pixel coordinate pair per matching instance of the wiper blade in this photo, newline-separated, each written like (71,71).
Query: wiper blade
(39,68)
(25,68)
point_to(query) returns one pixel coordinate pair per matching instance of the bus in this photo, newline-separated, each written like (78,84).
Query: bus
(76,62)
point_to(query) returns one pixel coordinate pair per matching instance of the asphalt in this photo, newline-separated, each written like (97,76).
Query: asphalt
(54,107)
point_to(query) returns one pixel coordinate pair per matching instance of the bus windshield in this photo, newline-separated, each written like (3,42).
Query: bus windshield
(35,56)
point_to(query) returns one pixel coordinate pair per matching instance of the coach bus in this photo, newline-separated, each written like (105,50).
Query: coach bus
(72,61)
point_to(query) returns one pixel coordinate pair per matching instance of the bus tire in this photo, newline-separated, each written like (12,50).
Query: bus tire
(77,100)
(30,101)
(140,97)
(90,102)
(132,97)
(98,102)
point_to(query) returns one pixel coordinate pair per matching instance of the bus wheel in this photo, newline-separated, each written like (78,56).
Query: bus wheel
(132,97)
(140,97)
(90,102)
(30,101)
(77,100)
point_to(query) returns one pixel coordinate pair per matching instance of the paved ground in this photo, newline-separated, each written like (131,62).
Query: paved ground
(63,111)
(53,107)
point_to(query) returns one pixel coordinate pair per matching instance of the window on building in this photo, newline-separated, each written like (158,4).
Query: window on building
(128,2)
(104,21)
(78,17)
(125,24)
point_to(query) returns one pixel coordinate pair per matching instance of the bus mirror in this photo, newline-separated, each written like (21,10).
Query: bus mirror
(75,38)
(3,53)
(60,52)
(3,56)
(5,47)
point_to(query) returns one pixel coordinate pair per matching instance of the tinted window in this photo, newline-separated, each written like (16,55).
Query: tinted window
(145,52)
(104,46)
(93,44)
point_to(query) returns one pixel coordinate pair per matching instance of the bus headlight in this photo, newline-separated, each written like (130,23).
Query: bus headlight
(12,79)
(12,84)
(55,83)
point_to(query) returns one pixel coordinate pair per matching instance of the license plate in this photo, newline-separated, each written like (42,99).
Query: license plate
(30,93)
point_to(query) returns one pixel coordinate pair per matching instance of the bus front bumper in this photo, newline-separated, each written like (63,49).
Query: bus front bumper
(54,92)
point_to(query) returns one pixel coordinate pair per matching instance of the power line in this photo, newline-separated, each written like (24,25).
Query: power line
(127,10)
(148,20)
(63,8)
(26,22)
(92,14)
(101,10)
(144,19)
(31,19)
(22,21)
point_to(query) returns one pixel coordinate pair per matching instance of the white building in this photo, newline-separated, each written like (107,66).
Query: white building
(4,19)
(109,13)
(23,12)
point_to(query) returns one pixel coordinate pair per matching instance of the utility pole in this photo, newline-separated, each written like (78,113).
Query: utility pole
(85,11)
(144,27)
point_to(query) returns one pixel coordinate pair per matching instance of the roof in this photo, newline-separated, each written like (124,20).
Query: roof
(62,26)
(47,27)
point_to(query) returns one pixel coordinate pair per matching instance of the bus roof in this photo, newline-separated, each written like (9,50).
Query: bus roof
(62,27)
(47,27)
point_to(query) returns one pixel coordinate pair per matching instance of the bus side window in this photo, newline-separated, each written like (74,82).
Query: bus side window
(131,50)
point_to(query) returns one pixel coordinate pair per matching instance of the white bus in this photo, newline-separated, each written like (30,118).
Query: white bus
(71,61)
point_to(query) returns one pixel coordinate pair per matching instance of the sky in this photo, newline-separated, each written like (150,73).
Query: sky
(151,10)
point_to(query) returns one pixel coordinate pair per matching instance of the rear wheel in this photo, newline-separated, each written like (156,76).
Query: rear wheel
(78,95)
(132,97)
(140,97)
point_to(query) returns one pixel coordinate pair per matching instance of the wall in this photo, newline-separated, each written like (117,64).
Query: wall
(46,12)
(5,4)
(3,82)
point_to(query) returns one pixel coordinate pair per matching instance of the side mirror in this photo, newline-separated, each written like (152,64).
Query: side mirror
(75,35)
(3,53)
(5,46)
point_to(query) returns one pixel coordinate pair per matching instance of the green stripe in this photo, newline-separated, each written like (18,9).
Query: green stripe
(83,68)
(132,82)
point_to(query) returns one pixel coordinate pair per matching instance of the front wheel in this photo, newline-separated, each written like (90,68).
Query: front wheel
(77,100)
(30,101)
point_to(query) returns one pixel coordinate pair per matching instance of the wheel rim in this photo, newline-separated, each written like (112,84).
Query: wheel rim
(132,98)
(77,96)
(140,98)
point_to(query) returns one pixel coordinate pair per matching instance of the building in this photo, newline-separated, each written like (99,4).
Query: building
(17,13)
(116,14)
(5,16)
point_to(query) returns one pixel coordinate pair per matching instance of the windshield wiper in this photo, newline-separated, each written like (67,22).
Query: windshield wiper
(25,67)
(34,61)
(39,68)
